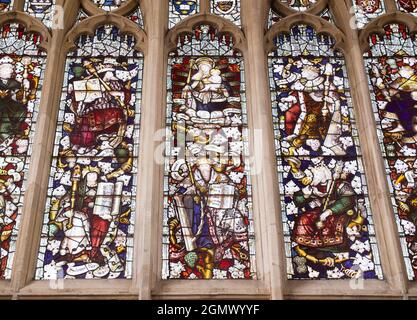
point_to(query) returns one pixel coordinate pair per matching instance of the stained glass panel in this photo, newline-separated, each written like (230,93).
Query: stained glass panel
(228,9)
(82,15)
(109,5)
(327,15)
(181,9)
(299,5)
(273,18)
(136,16)
(21,79)
(328,226)
(6,5)
(367,10)
(392,66)
(208,230)
(89,220)
(409,6)
(41,9)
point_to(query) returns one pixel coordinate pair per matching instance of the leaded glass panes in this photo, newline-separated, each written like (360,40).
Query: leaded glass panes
(299,5)
(21,79)
(367,10)
(228,9)
(82,15)
(109,5)
(273,18)
(181,9)
(392,67)
(41,9)
(327,15)
(89,220)
(208,230)
(6,5)
(136,16)
(328,227)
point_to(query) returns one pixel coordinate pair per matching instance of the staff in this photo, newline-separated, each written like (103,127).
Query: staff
(90,68)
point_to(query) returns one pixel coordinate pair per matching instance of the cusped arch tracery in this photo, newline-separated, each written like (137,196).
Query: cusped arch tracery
(91,24)
(377,26)
(320,25)
(31,25)
(222,26)
(281,8)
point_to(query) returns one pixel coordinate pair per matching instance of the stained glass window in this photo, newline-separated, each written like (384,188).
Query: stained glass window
(109,5)
(327,15)
(208,222)
(136,16)
(181,9)
(89,220)
(299,5)
(228,9)
(41,9)
(6,5)
(82,15)
(392,66)
(21,78)
(367,10)
(409,6)
(328,227)
(273,18)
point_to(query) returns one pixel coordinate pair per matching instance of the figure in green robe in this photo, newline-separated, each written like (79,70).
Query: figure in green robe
(12,111)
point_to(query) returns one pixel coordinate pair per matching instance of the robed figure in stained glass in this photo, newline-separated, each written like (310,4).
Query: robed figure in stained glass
(394,82)
(21,76)
(328,206)
(102,109)
(18,87)
(313,116)
(13,96)
(207,198)
(315,126)
(97,159)
(207,92)
(208,223)
(324,190)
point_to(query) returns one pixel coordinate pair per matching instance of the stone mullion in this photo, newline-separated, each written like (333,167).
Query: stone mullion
(204,6)
(266,196)
(19,5)
(379,192)
(390,6)
(150,177)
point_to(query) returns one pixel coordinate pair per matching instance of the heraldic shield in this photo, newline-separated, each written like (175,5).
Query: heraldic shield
(185,7)
(224,6)
(369,6)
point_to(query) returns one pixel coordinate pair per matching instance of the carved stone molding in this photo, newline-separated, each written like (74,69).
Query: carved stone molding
(222,25)
(31,24)
(320,25)
(377,26)
(90,25)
